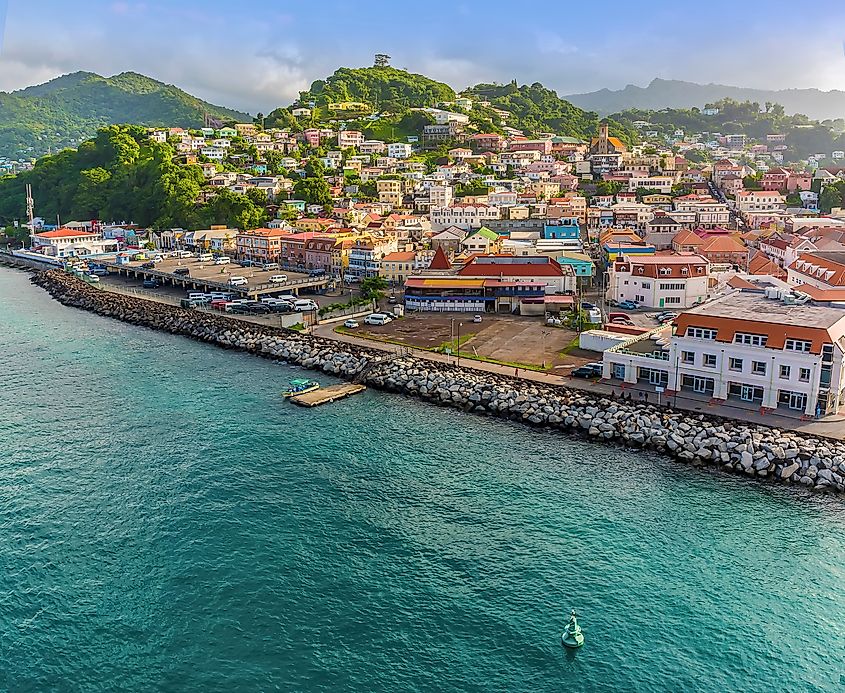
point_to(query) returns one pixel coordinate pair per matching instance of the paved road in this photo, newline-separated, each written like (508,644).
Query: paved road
(830,427)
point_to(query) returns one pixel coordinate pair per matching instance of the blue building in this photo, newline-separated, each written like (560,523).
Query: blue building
(563,228)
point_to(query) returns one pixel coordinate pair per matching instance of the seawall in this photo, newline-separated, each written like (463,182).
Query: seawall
(754,451)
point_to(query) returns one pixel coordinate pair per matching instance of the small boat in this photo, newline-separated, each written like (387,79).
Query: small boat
(572,636)
(299,386)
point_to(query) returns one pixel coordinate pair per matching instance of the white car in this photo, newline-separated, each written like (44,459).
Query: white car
(205,257)
(93,278)
(222,260)
(377,319)
(238,281)
(182,254)
(351,324)
(278,279)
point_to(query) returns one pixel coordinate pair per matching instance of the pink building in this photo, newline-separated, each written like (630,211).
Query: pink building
(542,146)
(312,137)
(799,181)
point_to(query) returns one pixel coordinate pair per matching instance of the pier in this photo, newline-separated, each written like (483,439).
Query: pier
(328,394)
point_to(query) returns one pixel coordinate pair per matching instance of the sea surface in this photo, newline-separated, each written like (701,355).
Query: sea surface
(168,523)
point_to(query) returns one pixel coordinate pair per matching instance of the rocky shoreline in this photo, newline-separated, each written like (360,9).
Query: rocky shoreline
(701,440)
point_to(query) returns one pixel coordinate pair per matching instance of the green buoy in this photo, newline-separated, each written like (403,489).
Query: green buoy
(572,635)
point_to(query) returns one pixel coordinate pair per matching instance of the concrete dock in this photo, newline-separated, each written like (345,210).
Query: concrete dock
(327,394)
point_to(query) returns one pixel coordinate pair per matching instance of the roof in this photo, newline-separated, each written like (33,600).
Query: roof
(827,267)
(747,312)
(443,282)
(484,232)
(64,233)
(400,257)
(686,237)
(440,261)
(760,264)
(722,244)
(663,266)
(511,266)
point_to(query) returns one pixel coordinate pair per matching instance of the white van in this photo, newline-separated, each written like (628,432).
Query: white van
(238,281)
(278,279)
(182,254)
(205,257)
(221,260)
(304,304)
(377,319)
(270,266)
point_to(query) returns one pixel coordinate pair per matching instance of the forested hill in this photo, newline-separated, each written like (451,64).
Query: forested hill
(382,88)
(69,109)
(536,109)
(123,174)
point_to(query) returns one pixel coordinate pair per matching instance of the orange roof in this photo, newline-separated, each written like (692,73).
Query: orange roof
(64,233)
(686,237)
(760,264)
(399,257)
(722,244)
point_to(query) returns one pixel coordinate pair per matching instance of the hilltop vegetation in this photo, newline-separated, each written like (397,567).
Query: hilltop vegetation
(122,174)
(536,109)
(803,136)
(383,88)
(69,109)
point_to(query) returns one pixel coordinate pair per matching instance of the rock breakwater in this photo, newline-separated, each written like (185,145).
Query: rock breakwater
(705,441)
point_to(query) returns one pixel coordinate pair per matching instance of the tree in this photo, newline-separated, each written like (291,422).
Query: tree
(315,191)
(831,197)
(372,288)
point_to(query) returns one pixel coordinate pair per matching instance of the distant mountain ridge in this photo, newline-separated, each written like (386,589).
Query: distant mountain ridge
(671,93)
(70,108)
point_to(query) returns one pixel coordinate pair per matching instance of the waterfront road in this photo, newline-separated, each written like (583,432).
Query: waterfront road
(829,427)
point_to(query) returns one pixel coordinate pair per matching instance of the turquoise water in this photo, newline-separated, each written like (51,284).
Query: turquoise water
(168,524)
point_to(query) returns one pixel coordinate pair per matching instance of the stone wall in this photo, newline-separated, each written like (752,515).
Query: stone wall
(705,441)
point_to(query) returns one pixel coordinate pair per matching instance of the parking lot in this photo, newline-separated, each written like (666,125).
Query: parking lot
(221,273)
(506,339)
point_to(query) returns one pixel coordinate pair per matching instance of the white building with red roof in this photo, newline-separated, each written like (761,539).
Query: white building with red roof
(66,242)
(659,281)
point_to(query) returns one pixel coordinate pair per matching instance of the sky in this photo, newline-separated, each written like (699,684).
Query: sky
(258,56)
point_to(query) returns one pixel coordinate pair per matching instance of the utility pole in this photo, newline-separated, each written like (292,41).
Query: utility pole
(30,208)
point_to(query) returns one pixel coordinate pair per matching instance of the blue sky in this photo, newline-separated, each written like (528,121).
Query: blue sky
(259,55)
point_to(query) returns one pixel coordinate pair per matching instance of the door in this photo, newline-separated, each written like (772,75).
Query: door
(747,393)
(658,377)
(662,301)
(699,385)
(619,371)
(797,400)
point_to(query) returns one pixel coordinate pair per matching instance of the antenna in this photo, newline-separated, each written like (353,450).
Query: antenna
(30,207)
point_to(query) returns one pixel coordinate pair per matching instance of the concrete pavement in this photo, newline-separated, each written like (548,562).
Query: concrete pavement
(829,427)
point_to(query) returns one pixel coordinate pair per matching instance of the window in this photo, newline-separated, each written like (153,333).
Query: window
(671,286)
(804,375)
(709,360)
(750,339)
(735,364)
(784,372)
(801,345)
(672,299)
(701,333)
(758,367)
(646,285)
(688,356)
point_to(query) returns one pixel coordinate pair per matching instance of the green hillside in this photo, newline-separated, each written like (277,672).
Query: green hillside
(536,109)
(122,174)
(383,88)
(69,109)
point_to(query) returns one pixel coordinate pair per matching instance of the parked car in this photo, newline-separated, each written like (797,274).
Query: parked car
(93,278)
(377,319)
(666,317)
(392,299)
(590,370)
(305,304)
(151,283)
(205,257)
(270,265)
(182,254)
(238,281)
(222,260)
(629,305)
(185,271)
(476,318)
(278,279)
(586,305)
(258,307)
(621,321)
(148,265)
(351,324)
